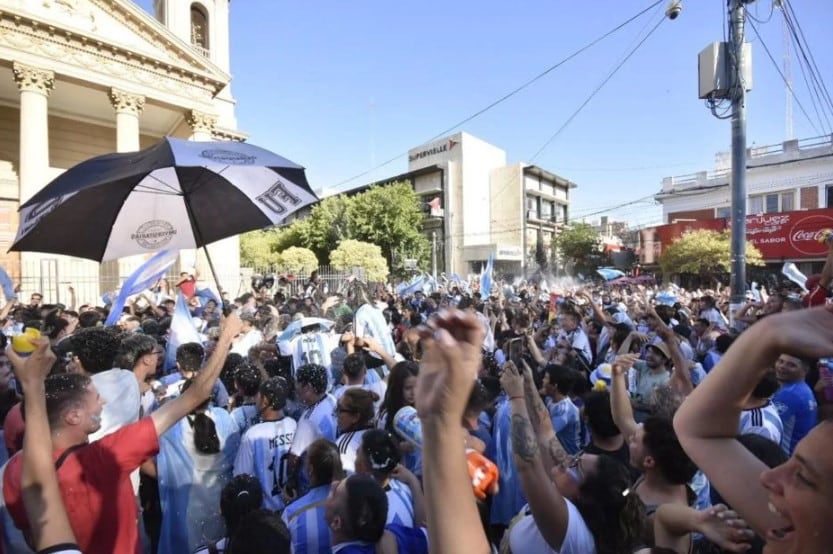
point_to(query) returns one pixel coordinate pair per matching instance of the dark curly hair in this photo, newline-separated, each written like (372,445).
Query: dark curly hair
(96,348)
(661,443)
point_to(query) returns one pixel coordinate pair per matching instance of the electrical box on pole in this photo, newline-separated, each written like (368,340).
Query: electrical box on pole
(715,70)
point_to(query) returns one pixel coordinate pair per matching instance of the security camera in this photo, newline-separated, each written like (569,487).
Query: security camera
(674,9)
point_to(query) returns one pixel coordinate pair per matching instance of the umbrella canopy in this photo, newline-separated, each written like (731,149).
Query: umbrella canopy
(609,273)
(174,195)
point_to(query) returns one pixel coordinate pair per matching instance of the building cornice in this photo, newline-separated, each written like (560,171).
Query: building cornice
(88,58)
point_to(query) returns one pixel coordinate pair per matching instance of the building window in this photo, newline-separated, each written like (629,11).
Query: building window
(723,213)
(829,194)
(772,203)
(547,210)
(199,28)
(532,207)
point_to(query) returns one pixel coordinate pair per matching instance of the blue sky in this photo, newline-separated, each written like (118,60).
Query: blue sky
(342,86)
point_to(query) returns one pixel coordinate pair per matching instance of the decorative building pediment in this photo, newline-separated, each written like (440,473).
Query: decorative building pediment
(112,37)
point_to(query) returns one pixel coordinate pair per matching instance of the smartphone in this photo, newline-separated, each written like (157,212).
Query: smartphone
(515,350)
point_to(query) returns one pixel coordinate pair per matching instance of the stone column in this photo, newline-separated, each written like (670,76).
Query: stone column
(202,125)
(128,108)
(35,85)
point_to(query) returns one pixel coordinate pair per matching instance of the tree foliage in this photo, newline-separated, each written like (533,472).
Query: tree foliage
(579,245)
(389,217)
(352,254)
(704,252)
(257,248)
(299,260)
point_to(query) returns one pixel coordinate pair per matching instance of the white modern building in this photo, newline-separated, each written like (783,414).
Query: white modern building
(80,78)
(480,206)
(794,175)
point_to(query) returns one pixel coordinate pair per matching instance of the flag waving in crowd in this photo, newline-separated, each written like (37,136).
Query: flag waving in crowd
(142,279)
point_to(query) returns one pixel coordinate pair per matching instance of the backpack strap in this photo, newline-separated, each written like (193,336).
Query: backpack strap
(63,457)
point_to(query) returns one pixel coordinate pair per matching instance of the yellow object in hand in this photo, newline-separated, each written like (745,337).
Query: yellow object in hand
(22,343)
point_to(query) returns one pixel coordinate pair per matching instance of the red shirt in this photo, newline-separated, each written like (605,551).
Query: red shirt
(816,297)
(189,287)
(95,485)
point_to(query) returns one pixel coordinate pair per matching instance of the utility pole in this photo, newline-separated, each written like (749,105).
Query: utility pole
(738,97)
(434,255)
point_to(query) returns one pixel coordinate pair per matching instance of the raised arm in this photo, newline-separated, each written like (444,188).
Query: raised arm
(452,354)
(680,380)
(620,402)
(174,410)
(552,451)
(39,483)
(549,509)
(707,421)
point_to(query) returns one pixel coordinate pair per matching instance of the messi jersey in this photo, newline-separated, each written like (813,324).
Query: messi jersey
(263,453)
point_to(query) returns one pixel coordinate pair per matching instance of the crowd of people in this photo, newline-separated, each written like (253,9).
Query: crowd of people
(620,420)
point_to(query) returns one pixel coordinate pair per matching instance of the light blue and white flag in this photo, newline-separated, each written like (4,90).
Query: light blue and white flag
(142,279)
(407,289)
(7,284)
(486,278)
(182,330)
(190,484)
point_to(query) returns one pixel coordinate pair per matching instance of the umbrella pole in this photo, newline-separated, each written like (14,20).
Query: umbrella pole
(216,280)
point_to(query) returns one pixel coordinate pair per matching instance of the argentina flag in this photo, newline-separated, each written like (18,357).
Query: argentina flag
(486,277)
(182,330)
(190,484)
(142,279)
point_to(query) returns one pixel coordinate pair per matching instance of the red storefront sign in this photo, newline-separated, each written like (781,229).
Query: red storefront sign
(779,236)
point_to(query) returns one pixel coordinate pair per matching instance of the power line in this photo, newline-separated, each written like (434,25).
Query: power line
(578,110)
(509,94)
(820,80)
(595,91)
(781,73)
(815,85)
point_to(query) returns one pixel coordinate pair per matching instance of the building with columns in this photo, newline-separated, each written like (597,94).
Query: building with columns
(81,78)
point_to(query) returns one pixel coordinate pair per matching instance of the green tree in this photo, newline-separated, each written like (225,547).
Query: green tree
(391,218)
(580,245)
(299,260)
(257,248)
(705,253)
(327,224)
(352,253)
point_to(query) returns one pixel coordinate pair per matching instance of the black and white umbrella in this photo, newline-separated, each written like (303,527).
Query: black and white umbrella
(174,195)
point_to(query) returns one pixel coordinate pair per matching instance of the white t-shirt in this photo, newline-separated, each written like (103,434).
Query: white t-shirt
(348,446)
(764,421)
(524,535)
(379,387)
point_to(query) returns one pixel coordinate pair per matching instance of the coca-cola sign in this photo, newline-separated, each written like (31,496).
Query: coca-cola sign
(778,236)
(806,232)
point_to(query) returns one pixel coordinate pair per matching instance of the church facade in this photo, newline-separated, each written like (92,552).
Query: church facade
(81,78)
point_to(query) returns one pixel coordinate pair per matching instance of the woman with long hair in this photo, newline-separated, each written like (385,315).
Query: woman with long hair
(401,392)
(577,505)
(240,497)
(195,462)
(354,416)
(789,506)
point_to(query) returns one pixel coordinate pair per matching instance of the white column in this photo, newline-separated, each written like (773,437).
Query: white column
(202,125)
(35,85)
(128,108)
